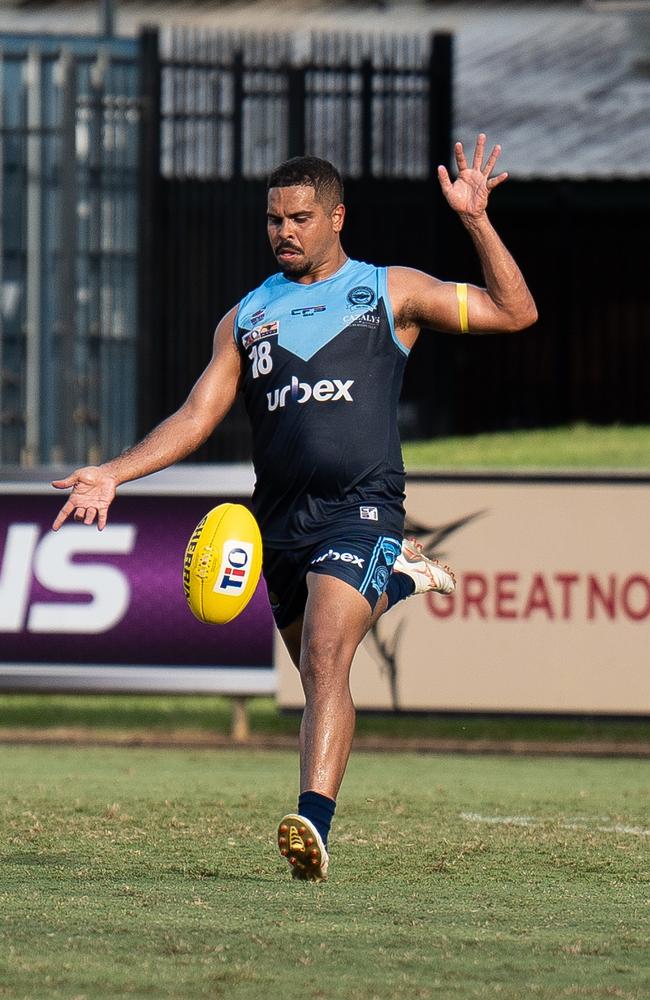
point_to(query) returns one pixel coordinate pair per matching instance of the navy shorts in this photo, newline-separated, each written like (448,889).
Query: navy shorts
(363,560)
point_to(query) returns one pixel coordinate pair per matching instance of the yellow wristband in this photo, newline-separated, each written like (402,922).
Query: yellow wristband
(461,295)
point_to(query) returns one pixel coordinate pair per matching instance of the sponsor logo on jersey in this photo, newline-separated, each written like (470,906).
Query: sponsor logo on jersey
(346,557)
(308,310)
(236,561)
(271,329)
(368,513)
(361,295)
(257,317)
(324,391)
(370,319)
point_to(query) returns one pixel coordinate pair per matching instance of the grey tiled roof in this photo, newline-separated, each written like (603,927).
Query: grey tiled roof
(551,83)
(557,92)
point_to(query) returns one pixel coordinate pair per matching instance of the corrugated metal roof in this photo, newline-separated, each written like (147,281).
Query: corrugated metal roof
(558,93)
(552,84)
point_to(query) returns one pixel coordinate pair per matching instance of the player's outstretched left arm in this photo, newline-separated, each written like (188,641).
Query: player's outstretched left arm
(505,304)
(93,487)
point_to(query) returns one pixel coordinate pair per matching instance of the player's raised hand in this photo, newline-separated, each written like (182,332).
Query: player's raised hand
(93,491)
(468,194)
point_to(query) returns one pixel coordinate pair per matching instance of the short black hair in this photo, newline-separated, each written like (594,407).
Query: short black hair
(312,172)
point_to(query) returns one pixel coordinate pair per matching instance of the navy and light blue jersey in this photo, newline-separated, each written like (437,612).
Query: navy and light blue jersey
(322,376)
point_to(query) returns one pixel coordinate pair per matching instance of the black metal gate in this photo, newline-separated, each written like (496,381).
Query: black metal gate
(224,110)
(232,108)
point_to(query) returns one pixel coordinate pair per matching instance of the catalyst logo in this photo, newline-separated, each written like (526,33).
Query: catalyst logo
(324,391)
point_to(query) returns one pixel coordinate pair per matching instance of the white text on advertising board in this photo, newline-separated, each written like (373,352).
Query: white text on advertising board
(50,561)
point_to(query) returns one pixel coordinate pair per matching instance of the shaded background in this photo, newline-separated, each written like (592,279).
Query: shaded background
(132,187)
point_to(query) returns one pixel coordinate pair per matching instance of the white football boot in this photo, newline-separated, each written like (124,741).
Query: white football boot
(427,574)
(301,844)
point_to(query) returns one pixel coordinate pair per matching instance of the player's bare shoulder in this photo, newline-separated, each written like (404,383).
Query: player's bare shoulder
(225,365)
(225,333)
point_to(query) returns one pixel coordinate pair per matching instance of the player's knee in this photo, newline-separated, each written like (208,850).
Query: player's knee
(319,651)
(324,657)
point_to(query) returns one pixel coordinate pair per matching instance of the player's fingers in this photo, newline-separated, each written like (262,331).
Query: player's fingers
(64,484)
(62,516)
(479,149)
(444,178)
(102,517)
(80,513)
(460,156)
(499,179)
(90,515)
(491,162)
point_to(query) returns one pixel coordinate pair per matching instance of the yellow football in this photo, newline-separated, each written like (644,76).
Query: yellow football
(222,565)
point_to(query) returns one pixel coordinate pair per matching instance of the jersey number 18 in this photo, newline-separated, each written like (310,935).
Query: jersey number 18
(261,358)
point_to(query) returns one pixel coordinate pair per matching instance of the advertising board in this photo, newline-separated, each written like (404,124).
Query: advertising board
(86,609)
(552,608)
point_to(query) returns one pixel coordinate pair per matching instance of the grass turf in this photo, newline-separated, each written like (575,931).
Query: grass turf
(180,714)
(141,873)
(578,446)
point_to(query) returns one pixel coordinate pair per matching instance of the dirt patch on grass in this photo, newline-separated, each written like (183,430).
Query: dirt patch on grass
(198,739)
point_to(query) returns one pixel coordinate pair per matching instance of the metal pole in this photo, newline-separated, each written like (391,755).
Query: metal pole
(440,101)
(107,18)
(1,251)
(68,285)
(297,101)
(34,327)
(367,73)
(238,111)
(102,137)
(150,237)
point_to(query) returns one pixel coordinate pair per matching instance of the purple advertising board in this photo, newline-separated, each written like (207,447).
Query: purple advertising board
(88,609)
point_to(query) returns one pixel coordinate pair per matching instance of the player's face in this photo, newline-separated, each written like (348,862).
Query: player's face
(303,234)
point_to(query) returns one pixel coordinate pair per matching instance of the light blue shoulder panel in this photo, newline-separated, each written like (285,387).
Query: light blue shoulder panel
(383,292)
(310,316)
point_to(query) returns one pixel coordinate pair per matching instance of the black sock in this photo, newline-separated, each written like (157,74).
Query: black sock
(399,586)
(319,810)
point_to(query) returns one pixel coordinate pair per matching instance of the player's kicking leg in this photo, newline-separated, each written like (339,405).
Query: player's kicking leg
(335,621)
(322,644)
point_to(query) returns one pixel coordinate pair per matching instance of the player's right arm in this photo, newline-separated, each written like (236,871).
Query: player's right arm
(93,487)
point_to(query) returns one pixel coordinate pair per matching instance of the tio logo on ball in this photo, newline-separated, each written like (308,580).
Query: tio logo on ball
(236,560)
(51,562)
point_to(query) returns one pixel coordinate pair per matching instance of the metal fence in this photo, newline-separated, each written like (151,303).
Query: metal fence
(123,162)
(231,108)
(237,105)
(69,122)
(132,188)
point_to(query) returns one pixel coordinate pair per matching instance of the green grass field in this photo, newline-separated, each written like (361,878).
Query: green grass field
(184,715)
(579,446)
(153,874)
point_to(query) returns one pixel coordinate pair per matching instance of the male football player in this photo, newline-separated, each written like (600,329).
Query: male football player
(318,351)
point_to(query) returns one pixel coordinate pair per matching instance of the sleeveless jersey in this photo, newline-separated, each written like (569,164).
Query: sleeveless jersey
(322,376)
